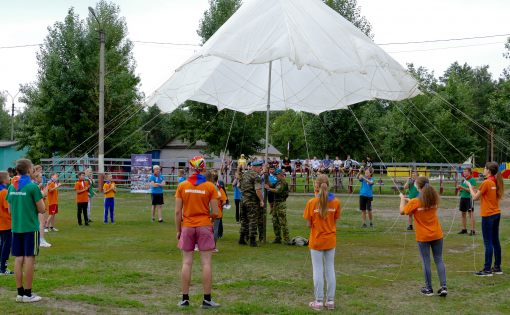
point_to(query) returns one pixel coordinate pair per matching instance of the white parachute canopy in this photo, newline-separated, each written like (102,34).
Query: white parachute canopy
(320,62)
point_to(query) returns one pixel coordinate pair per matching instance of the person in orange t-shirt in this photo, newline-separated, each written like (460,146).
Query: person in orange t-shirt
(490,193)
(82,197)
(193,199)
(52,188)
(212,176)
(429,234)
(5,225)
(321,214)
(109,190)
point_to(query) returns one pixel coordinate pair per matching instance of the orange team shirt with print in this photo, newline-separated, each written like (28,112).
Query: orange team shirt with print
(195,201)
(222,199)
(322,231)
(111,193)
(426,221)
(5,216)
(83,196)
(489,203)
(52,195)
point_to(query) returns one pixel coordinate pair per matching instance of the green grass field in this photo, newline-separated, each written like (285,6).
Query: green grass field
(133,267)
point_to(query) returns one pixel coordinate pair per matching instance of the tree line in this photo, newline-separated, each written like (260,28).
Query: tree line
(464,111)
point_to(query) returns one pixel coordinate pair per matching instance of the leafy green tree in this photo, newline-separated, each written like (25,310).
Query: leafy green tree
(62,105)
(349,9)
(218,13)
(226,129)
(5,120)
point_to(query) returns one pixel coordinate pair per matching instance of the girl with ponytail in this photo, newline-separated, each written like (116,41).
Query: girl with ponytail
(490,193)
(429,234)
(321,214)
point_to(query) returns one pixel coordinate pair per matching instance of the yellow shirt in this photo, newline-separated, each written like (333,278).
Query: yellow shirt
(111,193)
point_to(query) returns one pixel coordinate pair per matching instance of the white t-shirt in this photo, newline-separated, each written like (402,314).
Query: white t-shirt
(316,163)
(337,163)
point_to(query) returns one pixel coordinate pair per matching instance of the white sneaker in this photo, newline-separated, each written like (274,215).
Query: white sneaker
(46,230)
(44,244)
(54,229)
(31,299)
(19,298)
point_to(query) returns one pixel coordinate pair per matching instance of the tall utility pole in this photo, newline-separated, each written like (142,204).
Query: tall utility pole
(100,154)
(12,113)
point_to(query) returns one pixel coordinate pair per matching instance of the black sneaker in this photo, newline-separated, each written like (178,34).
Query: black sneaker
(364,226)
(497,270)
(277,241)
(209,304)
(443,291)
(484,273)
(183,303)
(463,232)
(410,227)
(427,292)
(472,233)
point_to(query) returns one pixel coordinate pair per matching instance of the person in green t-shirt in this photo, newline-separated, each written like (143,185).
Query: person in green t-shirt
(26,202)
(466,204)
(412,192)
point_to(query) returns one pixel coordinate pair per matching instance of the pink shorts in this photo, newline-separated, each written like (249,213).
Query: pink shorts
(53,209)
(203,236)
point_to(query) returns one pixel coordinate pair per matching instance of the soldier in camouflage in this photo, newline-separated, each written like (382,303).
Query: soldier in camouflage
(252,203)
(279,211)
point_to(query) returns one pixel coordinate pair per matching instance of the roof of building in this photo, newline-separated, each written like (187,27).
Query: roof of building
(7,143)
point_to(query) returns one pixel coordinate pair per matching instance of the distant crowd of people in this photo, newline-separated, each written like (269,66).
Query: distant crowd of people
(315,165)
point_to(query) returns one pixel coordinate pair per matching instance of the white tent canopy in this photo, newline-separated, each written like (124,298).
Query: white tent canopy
(320,62)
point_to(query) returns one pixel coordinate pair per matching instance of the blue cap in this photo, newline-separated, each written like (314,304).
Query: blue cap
(257,163)
(278,171)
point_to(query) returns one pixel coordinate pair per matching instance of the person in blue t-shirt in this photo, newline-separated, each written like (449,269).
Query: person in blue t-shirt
(181,176)
(366,196)
(237,194)
(157,182)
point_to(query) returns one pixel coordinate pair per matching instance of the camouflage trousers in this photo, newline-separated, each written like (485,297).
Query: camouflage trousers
(280,221)
(251,218)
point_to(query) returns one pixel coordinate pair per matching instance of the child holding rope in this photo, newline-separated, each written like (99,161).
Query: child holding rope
(412,193)
(366,196)
(321,214)
(490,193)
(466,202)
(429,234)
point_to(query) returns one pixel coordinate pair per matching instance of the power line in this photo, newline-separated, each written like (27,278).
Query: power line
(165,43)
(444,40)
(380,44)
(444,48)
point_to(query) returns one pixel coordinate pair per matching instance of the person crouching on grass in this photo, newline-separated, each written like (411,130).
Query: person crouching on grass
(490,193)
(109,190)
(193,199)
(366,196)
(429,234)
(26,202)
(321,214)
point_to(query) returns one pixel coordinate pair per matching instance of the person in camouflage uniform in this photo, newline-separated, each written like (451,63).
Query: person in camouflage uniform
(251,204)
(279,211)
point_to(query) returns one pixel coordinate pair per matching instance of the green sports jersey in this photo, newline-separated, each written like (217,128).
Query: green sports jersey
(413,192)
(466,193)
(23,208)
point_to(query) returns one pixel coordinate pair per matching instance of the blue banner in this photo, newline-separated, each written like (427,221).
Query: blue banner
(141,170)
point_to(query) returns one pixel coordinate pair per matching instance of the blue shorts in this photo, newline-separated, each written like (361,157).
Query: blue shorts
(25,244)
